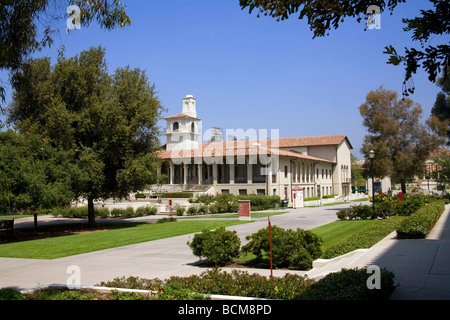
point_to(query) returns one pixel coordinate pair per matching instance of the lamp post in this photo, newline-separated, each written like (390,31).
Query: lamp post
(371,156)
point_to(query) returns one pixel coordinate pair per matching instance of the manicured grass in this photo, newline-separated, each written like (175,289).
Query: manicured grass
(338,231)
(52,248)
(14,216)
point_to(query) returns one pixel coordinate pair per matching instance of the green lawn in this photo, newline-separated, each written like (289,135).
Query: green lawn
(338,231)
(52,248)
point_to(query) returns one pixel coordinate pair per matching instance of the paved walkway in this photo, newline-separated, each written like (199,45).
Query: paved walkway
(422,267)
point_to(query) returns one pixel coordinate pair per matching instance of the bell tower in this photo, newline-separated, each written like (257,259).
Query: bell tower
(183,130)
(189,106)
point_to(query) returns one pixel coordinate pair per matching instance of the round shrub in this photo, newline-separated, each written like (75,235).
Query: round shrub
(218,246)
(192,210)
(293,249)
(180,211)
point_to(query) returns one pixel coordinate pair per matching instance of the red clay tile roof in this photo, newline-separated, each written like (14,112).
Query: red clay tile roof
(312,141)
(180,115)
(439,152)
(236,148)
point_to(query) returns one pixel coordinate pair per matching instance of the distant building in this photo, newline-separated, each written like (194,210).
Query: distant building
(320,165)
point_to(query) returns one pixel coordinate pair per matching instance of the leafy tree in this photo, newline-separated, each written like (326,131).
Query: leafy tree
(33,175)
(108,123)
(357,174)
(440,113)
(442,172)
(324,15)
(401,143)
(22,20)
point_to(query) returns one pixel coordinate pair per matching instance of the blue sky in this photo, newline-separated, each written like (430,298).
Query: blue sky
(250,73)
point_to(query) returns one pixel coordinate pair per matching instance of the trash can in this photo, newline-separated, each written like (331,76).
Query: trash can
(284,203)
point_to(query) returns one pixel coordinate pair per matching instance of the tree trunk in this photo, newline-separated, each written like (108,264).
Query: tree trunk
(91,214)
(403,184)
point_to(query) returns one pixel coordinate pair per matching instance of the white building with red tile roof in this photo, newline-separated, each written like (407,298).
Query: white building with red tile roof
(320,165)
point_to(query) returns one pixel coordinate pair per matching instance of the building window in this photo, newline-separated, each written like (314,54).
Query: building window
(322,173)
(242,192)
(175,127)
(192,127)
(285,171)
(225,191)
(260,192)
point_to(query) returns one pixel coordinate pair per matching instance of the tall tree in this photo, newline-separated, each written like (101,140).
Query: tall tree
(442,167)
(33,175)
(108,122)
(322,16)
(400,141)
(440,113)
(22,21)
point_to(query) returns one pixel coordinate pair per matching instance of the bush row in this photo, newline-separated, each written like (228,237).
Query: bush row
(178,195)
(229,203)
(364,239)
(348,284)
(291,249)
(419,224)
(384,208)
(82,212)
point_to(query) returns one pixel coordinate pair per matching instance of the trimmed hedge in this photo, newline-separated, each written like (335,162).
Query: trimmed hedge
(178,195)
(229,203)
(419,224)
(82,212)
(364,239)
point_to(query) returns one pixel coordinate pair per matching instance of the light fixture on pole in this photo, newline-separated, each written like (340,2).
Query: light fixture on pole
(372,156)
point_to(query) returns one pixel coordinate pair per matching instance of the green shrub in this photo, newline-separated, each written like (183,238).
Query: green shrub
(350,284)
(311,199)
(344,214)
(218,246)
(292,249)
(146,211)
(139,196)
(101,212)
(419,224)
(174,291)
(180,211)
(213,209)
(241,283)
(344,285)
(164,220)
(11,294)
(362,211)
(192,210)
(202,209)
